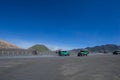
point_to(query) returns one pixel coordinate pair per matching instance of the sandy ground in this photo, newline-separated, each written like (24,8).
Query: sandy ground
(95,67)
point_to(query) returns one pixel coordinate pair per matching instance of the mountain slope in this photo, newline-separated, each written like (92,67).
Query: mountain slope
(4,44)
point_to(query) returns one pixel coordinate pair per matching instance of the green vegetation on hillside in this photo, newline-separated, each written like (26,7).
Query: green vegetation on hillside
(40,48)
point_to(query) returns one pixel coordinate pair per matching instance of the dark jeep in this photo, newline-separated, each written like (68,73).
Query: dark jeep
(116,52)
(83,53)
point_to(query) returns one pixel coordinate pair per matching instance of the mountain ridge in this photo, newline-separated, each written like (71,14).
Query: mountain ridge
(5,44)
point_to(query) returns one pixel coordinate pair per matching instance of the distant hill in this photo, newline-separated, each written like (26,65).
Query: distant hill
(4,44)
(40,48)
(108,48)
(104,48)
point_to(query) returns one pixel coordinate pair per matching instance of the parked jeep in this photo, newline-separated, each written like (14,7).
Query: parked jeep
(63,53)
(83,53)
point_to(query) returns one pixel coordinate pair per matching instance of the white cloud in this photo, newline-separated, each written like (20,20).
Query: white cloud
(57,47)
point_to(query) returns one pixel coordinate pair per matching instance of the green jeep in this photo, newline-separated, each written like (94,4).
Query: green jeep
(83,53)
(63,53)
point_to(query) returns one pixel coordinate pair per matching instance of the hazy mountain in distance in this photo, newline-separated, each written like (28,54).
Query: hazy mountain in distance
(108,48)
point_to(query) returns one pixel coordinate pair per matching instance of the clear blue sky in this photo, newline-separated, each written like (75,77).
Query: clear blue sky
(65,24)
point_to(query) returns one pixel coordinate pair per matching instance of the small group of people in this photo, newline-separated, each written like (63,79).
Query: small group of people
(35,52)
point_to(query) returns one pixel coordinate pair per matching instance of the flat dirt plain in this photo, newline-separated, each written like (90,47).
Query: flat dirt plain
(94,67)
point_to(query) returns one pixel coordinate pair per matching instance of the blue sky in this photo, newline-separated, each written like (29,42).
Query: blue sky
(64,24)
